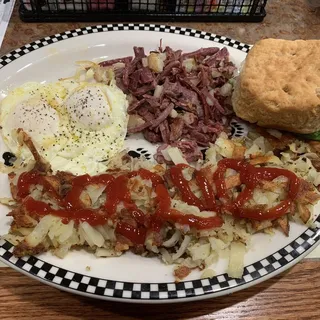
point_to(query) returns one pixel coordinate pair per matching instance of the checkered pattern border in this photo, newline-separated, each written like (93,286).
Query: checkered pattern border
(108,289)
(8,58)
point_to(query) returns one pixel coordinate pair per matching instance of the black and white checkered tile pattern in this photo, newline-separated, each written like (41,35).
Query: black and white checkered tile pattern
(150,291)
(161,291)
(8,58)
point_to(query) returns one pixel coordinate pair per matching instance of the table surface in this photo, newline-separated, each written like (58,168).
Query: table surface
(294,294)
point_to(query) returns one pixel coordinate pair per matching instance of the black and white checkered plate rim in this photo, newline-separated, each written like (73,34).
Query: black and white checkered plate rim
(8,58)
(153,292)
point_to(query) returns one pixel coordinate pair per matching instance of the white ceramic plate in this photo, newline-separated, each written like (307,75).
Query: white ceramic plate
(133,278)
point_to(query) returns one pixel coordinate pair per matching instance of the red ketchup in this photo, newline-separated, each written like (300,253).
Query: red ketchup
(250,176)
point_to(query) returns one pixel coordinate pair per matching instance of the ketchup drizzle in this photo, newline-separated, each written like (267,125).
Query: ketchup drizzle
(251,176)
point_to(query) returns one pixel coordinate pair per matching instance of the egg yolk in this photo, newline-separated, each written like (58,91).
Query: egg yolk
(35,117)
(89,108)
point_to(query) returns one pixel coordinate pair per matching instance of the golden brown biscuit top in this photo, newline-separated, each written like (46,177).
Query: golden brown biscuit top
(284,74)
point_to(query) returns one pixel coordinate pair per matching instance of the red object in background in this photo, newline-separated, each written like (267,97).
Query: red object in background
(96,5)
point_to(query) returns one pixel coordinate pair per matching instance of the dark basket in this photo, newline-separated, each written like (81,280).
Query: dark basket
(142,10)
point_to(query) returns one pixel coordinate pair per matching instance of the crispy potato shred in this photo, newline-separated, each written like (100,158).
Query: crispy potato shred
(183,245)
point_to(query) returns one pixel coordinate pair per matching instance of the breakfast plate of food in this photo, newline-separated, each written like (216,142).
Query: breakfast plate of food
(147,163)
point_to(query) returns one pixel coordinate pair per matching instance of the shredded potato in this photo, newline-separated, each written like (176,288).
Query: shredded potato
(91,235)
(7,202)
(175,243)
(236,261)
(40,231)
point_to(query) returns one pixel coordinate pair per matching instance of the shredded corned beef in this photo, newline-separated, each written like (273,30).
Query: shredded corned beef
(179,100)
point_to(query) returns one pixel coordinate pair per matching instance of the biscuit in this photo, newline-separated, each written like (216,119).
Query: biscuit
(279,85)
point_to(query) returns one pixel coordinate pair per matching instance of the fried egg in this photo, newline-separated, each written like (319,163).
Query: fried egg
(76,126)
(98,120)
